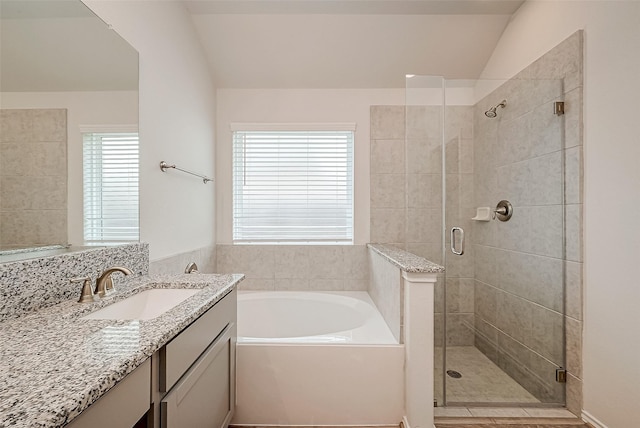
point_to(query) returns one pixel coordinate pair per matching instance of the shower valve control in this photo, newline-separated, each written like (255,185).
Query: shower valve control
(503,211)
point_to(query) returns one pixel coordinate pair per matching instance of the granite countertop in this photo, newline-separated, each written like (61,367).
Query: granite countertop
(406,261)
(54,365)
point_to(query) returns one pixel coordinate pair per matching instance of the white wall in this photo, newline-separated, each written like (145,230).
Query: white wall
(611,350)
(83,108)
(177,110)
(298,105)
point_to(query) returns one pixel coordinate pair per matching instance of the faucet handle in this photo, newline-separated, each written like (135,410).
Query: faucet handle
(86,295)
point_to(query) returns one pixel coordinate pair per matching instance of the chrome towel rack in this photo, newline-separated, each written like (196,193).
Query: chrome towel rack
(164,166)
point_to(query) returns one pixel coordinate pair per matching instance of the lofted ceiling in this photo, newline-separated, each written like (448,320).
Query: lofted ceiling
(346,43)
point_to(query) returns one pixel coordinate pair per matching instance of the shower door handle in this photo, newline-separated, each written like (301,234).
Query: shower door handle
(454,250)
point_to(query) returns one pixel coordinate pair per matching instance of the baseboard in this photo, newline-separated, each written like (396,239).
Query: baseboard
(405,423)
(591,420)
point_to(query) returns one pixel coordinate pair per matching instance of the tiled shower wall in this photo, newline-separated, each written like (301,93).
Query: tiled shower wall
(520,156)
(406,198)
(33,177)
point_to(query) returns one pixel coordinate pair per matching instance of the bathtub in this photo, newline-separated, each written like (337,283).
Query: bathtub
(316,358)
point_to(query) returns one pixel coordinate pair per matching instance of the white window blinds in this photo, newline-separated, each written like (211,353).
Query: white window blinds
(110,174)
(293,185)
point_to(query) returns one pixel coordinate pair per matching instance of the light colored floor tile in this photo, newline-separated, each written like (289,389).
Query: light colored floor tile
(451,412)
(498,412)
(481,382)
(548,413)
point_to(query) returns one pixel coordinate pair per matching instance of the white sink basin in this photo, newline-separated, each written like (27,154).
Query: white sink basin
(145,305)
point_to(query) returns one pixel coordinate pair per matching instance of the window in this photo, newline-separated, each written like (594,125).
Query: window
(293,183)
(110,175)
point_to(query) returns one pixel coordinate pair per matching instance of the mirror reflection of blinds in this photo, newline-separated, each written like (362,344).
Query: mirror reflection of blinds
(293,186)
(111,175)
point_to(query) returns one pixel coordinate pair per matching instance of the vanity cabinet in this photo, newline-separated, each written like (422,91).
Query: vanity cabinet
(196,372)
(123,405)
(188,383)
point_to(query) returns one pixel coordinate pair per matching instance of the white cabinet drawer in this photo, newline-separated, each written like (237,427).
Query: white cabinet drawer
(178,355)
(203,398)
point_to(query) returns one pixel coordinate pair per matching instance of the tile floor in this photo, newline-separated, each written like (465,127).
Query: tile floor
(481,382)
(503,412)
(514,424)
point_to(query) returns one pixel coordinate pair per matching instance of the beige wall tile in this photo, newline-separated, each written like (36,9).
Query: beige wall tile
(356,284)
(33,159)
(546,230)
(424,122)
(33,193)
(254,261)
(289,284)
(573,175)
(545,180)
(387,225)
(257,284)
(292,262)
(385,290)
(33,227)
(33,169)
(574,290)
(15,126)
(424,156)
(573,231)
(460,331)
(514,316)
(574,395)
(563,59)
(486,302)
(356,262)
(321,284)
(573,118)
(387,122)
(326,262)
(546,129)
(387,190)
(574,347)
(387,156)
(514,140)
(423,225)
(49,125)
(424,190)
(203,257)
(458,121)
(547,335)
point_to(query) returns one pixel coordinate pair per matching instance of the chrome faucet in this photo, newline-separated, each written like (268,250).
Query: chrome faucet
(104,283)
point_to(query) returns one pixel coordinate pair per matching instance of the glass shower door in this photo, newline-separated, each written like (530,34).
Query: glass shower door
(499,308)
(504,296)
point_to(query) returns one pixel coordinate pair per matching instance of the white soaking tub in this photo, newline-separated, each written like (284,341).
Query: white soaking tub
(316,358)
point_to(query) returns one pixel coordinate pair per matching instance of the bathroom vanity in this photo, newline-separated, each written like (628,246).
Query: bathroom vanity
(190,381)
(59,368)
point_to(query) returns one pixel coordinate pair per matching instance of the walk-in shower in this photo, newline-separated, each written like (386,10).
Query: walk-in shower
(500,322)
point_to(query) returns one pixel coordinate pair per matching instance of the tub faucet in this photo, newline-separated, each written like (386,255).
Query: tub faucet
(104,283)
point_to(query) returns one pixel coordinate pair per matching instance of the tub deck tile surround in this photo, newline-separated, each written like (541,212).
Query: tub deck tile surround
(406,261)
(55,365)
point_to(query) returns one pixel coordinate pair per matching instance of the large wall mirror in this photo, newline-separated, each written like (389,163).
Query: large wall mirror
(62,70)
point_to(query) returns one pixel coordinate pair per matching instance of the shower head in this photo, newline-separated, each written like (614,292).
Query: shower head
(491,113)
